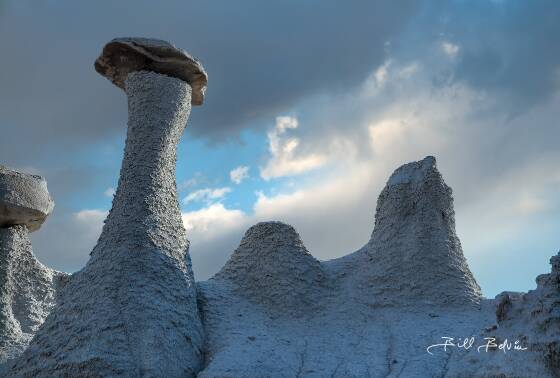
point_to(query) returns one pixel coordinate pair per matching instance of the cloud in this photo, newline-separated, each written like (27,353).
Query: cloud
(283,160)
(69,113)
(91,220)
(206,195)
(196,180)
(238,174)
(65,240)
(450,49)
(109,192)
(212,220)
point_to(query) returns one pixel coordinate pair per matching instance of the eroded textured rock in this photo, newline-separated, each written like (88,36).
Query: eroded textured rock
(414,255)
(24,199)
(132,309)
(27,291)
(272,267)
(27,288)
(532,318)
(377,316)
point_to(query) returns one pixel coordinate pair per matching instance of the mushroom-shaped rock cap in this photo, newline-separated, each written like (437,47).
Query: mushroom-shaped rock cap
(122,56)
(24,199)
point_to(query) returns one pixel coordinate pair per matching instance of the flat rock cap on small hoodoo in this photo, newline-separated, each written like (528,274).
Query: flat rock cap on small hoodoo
(122,56)
(24,199)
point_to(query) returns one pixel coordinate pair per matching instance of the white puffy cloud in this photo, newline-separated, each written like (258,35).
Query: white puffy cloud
(109,192)
(65,241)
(207,195)
(214,232)
(209,222)
(238,174)
(284,160)
(450,49)
(90,216)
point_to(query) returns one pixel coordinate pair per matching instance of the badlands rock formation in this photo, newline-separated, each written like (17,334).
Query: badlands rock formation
(414,255)
(132,309)
(27,288)
(273,310)
(534,319)
(273,268)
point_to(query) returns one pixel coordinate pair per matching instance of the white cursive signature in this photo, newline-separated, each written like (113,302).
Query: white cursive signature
(467,343)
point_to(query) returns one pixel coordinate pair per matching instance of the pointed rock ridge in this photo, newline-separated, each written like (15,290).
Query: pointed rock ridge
(132,309)
(272,267)
(27,288)
(414,254)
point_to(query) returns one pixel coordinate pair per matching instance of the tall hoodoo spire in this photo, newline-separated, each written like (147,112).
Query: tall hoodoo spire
(133,307)
(414,253)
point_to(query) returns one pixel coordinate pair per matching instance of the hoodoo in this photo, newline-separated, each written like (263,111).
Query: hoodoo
(132,309)
(272,267)
(27,288)
(414,255)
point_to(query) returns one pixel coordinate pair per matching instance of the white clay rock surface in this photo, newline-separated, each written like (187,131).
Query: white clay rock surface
(273,268)
(414,255)
(363,316)
(27,291)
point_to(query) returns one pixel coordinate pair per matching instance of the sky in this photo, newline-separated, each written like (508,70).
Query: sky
(310,106)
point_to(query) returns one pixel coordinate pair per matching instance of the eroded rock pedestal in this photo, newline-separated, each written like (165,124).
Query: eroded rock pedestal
(131,311)
(28,289)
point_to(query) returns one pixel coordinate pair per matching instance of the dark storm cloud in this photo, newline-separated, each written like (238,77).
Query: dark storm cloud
(508,47)
(261,58)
